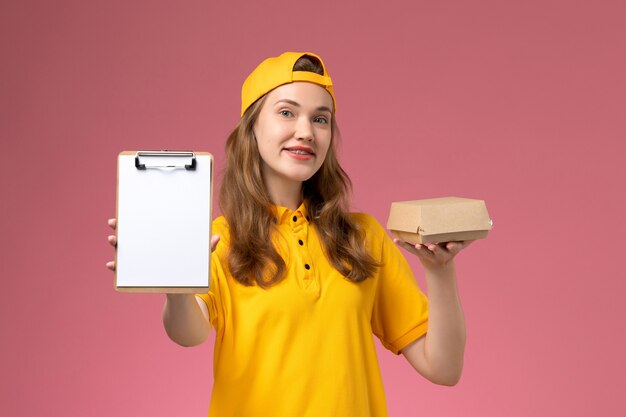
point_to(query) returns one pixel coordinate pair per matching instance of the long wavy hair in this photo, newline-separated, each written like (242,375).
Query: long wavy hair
(251,217)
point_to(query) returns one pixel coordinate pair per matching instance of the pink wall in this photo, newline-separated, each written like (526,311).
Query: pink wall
(521,103)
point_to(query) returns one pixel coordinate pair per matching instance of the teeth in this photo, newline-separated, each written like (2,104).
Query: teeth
(298,151)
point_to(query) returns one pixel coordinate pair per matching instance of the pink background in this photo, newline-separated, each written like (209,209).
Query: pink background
(521,103)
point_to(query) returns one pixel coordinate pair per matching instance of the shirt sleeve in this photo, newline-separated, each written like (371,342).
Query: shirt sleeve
(400,312)
(213,298)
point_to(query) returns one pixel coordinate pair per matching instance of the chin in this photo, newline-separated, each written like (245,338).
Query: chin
(301,178)
(301,175)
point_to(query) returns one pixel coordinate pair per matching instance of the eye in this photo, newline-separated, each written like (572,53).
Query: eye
(285,113)
(321,120)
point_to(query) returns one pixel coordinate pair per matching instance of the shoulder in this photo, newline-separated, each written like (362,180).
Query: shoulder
(374,233)
(367,222)
(220,227)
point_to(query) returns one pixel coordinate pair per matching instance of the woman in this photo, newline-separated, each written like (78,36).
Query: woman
(299,284)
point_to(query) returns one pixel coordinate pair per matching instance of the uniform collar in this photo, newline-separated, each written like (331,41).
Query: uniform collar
(284,215)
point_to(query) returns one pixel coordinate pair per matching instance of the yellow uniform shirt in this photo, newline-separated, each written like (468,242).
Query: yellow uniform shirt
(304,347)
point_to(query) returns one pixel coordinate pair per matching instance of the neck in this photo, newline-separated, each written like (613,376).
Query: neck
(286,193)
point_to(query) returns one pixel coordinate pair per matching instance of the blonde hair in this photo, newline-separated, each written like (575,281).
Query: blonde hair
(251,217)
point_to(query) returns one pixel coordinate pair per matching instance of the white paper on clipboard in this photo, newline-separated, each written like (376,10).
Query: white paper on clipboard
(163,221)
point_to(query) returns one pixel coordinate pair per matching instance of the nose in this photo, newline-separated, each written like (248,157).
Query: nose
(304,129)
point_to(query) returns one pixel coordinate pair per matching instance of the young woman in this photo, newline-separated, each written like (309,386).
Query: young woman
(298,284)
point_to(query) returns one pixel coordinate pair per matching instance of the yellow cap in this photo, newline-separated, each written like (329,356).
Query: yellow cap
(276,71)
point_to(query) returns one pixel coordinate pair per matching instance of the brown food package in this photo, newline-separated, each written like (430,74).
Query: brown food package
(445,219)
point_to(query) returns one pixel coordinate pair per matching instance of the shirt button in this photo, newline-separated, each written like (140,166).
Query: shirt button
(300,242)
(307,266)
(295,218)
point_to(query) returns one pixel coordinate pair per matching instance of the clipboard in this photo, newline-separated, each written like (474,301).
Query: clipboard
(163,221)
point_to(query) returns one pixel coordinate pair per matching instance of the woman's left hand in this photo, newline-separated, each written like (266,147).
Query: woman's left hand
(435,255)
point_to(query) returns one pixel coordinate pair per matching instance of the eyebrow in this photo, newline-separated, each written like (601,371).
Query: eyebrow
(296,104)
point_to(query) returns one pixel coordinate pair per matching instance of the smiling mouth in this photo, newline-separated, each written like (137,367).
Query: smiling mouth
(299,151)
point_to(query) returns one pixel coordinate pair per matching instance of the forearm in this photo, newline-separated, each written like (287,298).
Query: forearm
(444,344)
(185,321)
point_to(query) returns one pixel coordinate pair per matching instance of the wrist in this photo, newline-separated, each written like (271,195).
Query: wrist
(442,271)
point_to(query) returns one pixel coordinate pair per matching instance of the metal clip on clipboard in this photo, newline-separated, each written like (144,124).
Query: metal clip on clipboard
(191,158)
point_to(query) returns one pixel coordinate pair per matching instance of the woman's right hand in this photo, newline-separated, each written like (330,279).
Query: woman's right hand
(113,241)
